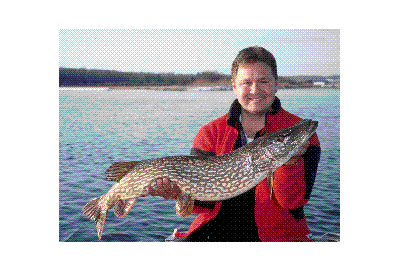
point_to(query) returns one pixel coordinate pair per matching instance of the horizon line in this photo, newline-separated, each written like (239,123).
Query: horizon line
(171,72)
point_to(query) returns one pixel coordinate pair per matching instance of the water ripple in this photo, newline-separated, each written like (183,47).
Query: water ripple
(98,128)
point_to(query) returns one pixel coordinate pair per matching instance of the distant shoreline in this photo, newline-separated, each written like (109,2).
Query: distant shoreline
(206,80)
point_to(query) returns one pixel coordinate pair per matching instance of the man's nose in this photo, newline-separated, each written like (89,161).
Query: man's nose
(255,88)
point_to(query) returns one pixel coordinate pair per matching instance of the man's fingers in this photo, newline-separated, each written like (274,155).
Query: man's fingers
(166,185)
(159,182)
(164,188)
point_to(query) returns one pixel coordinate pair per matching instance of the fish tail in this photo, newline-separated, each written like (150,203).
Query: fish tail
(92,209)
(100,223)
(96,212)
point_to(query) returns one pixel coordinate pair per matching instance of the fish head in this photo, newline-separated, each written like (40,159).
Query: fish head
(282,144)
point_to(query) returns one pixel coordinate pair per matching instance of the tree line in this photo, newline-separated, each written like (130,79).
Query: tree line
(96,77)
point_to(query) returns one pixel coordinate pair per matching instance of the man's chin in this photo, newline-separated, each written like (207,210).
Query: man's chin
(255,110)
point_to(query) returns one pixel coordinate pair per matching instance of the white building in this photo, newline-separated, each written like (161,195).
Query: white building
(321,84)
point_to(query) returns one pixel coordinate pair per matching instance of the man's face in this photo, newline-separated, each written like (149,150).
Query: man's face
(255,87)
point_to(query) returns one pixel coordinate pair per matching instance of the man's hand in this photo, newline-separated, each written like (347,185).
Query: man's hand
(164,188)
(296,156)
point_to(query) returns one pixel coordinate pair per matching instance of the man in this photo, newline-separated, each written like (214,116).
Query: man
(252,216)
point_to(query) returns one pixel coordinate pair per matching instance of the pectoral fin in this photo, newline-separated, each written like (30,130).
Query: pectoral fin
(122,207)
(270,181)
(182,201)
(269,176)
(118,170)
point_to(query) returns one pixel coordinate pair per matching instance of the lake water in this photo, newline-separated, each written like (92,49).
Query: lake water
(98,128)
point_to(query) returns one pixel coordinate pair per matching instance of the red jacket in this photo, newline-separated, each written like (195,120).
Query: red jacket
(274,217)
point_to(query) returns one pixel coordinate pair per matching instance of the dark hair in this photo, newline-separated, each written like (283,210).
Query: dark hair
(253,55)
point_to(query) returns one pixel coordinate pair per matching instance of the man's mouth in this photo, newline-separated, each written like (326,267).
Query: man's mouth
(256,99)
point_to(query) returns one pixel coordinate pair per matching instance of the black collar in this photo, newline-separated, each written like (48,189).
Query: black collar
(235,110)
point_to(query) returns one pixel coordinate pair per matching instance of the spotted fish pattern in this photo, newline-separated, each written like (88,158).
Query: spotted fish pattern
(212,178)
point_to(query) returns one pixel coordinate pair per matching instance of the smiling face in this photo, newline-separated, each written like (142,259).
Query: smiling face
(255,87)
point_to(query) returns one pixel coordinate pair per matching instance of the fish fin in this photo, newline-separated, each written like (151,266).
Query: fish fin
(270,180)
(118,170)
(184,199)
(93,210)
(122,207)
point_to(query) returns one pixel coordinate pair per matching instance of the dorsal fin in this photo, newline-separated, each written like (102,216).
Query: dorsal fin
(118,170)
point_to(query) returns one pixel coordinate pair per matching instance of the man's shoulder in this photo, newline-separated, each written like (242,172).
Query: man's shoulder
(214,137)
(217,122)
(287,118)
(216,129)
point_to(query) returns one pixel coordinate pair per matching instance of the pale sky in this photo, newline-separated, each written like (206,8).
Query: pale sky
(298,52)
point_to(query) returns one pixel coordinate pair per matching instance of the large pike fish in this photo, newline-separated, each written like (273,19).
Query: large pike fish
(214,178)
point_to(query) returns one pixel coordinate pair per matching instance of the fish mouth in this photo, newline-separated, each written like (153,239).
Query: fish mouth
(307,125)
(313,126)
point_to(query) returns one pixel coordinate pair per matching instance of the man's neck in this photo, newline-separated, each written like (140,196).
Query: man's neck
(252,123)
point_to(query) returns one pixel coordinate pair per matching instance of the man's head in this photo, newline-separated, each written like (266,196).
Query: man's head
(253,55)
(254,80)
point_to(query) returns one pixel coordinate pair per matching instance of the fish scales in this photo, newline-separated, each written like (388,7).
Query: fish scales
(211,178)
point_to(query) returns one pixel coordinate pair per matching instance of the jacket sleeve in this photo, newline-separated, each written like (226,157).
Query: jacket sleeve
(293,184)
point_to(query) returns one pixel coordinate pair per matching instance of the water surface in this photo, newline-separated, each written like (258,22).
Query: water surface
(98,128)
